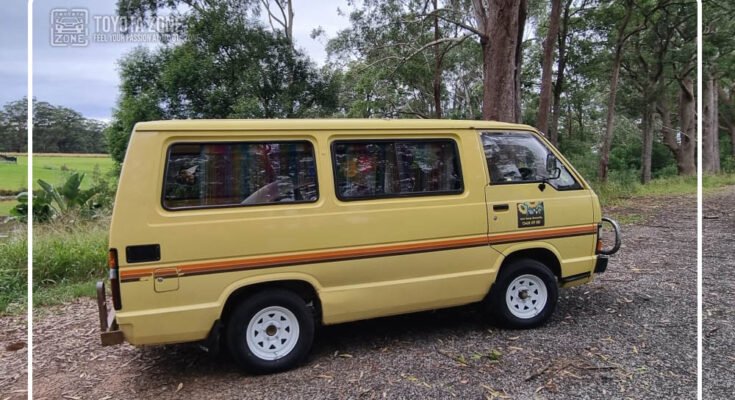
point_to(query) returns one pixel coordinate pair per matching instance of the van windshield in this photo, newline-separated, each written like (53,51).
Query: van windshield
(519,157)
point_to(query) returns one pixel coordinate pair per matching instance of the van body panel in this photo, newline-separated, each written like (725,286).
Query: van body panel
(364,258)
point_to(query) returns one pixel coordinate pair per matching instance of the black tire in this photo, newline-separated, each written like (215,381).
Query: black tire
(500,302)
(297,346)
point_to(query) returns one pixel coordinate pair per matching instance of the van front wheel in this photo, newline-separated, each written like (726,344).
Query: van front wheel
(524,295)
(270,331)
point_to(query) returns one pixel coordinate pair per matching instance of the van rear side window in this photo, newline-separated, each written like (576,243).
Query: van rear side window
(204,175)
(394,168)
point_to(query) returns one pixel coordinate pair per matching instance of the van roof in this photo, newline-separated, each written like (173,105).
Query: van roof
(324,124)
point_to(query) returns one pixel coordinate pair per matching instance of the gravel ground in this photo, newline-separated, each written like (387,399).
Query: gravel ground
(630,334)
(13,357)
(718,287)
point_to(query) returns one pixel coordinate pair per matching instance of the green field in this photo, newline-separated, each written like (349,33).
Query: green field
(5,207)
(13,177)
(51,168)
(55,168)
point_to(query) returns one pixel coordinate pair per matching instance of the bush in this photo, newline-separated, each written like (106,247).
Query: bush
(69,200)
(69,252)
(13,270)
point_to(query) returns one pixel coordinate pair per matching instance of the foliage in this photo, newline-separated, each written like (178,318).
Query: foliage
(57,167)
(67,201)
(13,271)
(49,295)
(401,59)
(68,253)
(13,126)
(229,66)
(58,129)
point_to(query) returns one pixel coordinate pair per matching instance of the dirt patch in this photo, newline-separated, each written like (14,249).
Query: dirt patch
(13,357)
(718,290)
(630,334)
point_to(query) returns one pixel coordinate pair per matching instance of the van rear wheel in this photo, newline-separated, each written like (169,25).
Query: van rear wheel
(270,331)
(524,295)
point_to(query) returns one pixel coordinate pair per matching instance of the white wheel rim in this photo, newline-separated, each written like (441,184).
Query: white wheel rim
(526,296)
(272,333)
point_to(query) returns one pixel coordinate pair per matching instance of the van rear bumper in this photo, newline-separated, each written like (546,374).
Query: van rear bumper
(110,334)
(601,264)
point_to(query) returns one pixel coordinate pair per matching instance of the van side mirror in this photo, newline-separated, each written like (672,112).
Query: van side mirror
(552,171)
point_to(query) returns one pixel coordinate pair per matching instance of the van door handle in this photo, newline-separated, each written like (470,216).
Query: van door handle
(500,207)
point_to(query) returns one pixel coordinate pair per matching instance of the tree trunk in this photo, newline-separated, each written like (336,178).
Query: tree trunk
(716,127)
(710,149)
(437,66)
(647,148)
(610,122)
(542,121)
(561,66)
(501,25)
(522,14)
(728,123)
(685,162)
(609,125)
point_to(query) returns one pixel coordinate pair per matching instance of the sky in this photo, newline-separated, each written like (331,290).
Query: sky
(13,54)
(85,78)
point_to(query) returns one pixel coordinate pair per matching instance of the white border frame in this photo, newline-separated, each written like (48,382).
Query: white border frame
(699,200)
(29,289)
(30,199)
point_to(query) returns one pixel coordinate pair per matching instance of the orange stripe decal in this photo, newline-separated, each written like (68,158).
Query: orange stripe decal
(376,251)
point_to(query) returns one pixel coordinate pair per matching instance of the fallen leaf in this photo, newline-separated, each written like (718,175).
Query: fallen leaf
(15,346)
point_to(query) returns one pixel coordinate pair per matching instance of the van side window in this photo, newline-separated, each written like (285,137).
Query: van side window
(519,157)
(392,168)
(201,175)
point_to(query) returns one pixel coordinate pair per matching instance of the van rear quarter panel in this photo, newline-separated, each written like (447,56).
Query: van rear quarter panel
(363,287)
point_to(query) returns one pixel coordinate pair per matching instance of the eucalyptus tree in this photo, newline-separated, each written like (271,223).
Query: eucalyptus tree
(625,21)
(718,76)
(14,126)
(545,96)
(228,66)
(407,51)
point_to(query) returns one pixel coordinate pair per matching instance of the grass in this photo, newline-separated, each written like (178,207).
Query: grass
(68,258)
(54,168)
(5,207)
(618,191)
(14,177)
(63,292)
(13,271)
(69,252)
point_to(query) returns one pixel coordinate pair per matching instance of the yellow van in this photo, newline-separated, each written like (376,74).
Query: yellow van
(251,233)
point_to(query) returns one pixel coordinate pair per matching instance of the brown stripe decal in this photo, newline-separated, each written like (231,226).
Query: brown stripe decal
(353,254)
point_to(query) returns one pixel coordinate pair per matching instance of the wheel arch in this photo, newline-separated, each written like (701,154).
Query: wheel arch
(304,286)
(544,254)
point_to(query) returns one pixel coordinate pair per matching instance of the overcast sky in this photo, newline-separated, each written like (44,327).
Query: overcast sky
(85,78)
(13,56)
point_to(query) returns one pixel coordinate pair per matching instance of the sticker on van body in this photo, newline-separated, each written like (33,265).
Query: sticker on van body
(530,213)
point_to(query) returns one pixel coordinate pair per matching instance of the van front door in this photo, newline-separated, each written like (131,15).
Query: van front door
(533,196)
